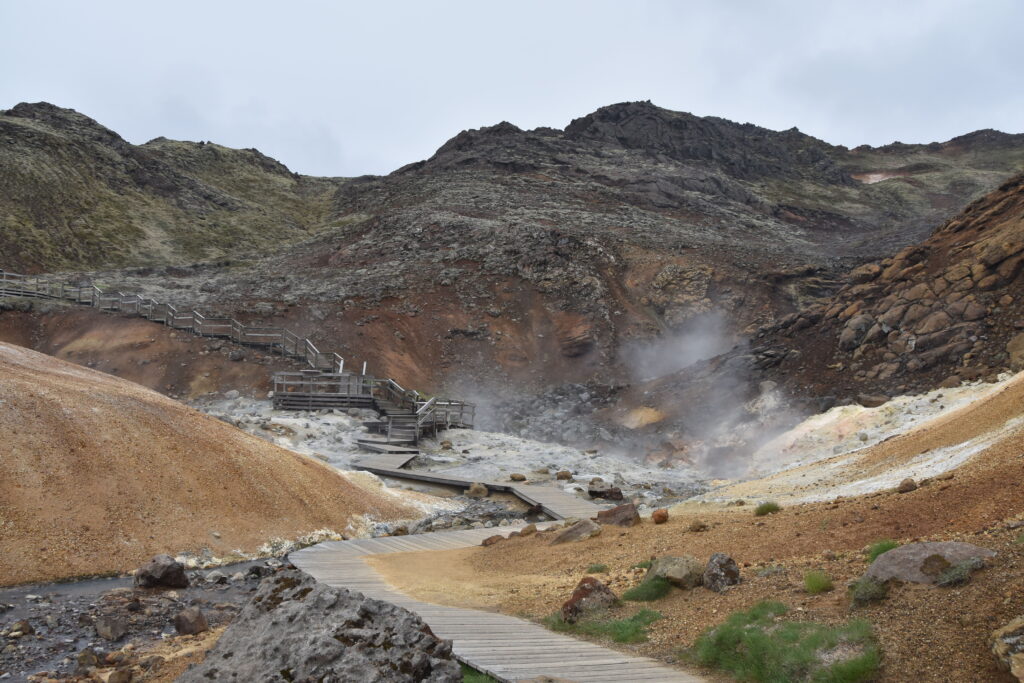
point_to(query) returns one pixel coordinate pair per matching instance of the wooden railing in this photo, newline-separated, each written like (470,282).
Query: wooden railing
(330,380)
(277,339)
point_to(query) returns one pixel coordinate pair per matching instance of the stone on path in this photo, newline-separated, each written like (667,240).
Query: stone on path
(660,516)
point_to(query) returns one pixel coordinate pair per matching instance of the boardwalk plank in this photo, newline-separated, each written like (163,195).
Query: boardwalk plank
(505,647)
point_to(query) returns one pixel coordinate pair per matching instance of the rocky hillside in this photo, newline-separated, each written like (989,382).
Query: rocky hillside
(946,310)
(542,257)
(74,194)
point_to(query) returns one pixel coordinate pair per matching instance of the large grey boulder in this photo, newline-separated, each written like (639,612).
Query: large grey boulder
(162,571)
(683,572)
(295,629)
(923,562)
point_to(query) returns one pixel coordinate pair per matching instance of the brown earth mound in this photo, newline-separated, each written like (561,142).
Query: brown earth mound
(98,474)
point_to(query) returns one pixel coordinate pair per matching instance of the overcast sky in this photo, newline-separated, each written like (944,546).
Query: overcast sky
(345,88)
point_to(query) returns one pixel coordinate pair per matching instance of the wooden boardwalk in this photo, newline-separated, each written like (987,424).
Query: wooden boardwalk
(507,648)
(553,501)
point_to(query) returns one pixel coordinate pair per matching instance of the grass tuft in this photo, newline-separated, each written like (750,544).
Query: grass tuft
(767,508)
(471,675)
(756,645)
(881,547)
(959,573)
(629,630)
(866,590)
(597,569)
(646,564)
(817,581)
(649,590)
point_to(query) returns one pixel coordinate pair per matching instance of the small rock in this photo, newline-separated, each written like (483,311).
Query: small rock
(660,516)
(620,515)
(682,572)
(237,576)
(216,576)
(190,621)
(602,489)
(491,540)
(872,400)
(563,475)
(446,445)
(528,530)
(906,486)
(517,477)
(698,525)
(579,531)
(24,627)
(590,595)
(477,490)
(110,627)
(87,659)
(721,572)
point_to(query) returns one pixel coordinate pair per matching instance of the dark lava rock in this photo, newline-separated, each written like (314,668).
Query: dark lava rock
(296,629)
(162,570)
(602,489)
(590,595)
(721,573)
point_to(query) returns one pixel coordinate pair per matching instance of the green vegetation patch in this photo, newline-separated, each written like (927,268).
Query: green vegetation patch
(649,590)
(880,547)
(471,675)
(597,569)
(646,564)
(767,508)
(866,590)
(817,581)
(960,573)
(629,630)
(756,645)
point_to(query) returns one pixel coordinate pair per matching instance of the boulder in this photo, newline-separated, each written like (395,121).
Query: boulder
(721,572)
(660,516)
(579,531)
(906,486)
(477,490)
(620,515)
(302,630)
(590,595)
(110,627)
(682,572)
(923,562)
(161,571)
(1008,647)
(190,621)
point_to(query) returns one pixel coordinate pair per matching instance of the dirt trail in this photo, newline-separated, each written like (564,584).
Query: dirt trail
(99,473)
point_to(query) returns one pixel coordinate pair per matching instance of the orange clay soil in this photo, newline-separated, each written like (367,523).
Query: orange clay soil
(97,474)
(926,634)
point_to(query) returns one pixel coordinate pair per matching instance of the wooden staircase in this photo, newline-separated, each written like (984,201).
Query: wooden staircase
(405,414)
